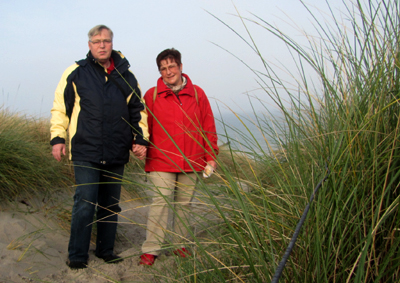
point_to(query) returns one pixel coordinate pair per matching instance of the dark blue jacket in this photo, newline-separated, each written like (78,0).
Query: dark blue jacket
(102,115)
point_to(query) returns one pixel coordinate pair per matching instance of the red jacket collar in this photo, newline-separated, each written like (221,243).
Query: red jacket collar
(112,66)
(164,91)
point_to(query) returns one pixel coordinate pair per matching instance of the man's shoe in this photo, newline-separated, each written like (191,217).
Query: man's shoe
(183,252)
(111,258)
(77,264)
(147,259)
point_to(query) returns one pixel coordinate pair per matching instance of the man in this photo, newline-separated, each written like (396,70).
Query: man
(99,101)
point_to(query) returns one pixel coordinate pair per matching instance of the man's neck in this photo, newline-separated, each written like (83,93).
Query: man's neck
(105,64)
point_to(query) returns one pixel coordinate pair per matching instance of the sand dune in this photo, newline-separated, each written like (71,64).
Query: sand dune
(34,239)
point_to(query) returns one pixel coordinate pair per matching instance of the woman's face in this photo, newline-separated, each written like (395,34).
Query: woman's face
(171,72)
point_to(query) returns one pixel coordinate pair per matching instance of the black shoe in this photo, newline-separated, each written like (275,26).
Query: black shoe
(111,258)
(77,264)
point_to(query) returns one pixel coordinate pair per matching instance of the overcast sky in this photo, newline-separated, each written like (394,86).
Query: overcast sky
(41,38)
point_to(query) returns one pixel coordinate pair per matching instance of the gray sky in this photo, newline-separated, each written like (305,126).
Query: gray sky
(42,38)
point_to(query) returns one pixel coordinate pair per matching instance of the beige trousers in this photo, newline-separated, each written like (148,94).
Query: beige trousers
(166,187)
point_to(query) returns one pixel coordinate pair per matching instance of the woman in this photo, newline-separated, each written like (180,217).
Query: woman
(183,141)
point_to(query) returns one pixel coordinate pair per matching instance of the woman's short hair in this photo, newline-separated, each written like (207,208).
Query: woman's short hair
(170,53)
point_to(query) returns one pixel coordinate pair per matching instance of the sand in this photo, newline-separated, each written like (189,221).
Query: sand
(34,238)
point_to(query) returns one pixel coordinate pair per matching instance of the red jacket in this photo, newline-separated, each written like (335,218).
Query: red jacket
(182,130)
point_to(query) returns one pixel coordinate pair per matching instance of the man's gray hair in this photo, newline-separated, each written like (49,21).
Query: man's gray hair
(97,29)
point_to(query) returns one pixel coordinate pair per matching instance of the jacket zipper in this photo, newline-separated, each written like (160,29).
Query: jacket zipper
(180,102)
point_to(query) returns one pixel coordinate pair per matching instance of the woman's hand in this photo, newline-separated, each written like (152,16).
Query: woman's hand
(139,151)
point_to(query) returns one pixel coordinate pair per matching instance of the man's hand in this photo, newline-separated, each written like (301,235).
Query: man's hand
(139,151)
(58,149)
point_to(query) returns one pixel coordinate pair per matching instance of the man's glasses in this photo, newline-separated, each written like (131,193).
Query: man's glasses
(99,41)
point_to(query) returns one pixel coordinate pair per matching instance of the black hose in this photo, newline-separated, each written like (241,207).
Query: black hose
(281,266)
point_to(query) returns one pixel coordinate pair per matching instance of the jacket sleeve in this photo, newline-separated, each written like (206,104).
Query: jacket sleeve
(148,98)
(59,119)
(208,125)
(138,115)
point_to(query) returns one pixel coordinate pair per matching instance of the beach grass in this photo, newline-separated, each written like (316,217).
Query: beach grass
(344,126)
(27,166)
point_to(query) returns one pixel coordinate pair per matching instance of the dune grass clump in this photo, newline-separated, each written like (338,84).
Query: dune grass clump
(344,124)
(27,166)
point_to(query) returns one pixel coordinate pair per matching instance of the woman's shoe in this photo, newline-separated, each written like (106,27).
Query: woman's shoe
(183,252)
(147,259)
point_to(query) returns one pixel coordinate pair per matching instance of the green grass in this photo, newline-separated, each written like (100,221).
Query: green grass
(27,166)
(350,123)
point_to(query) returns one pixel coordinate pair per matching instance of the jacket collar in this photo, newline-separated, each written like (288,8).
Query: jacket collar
(163,90)
(120,62)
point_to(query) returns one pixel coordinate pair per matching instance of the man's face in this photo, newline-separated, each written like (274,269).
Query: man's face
(171,72)
(101,46)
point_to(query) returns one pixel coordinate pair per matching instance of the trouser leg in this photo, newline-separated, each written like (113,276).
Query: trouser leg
(85,199)
(163,186)
(185,187)
(108,209)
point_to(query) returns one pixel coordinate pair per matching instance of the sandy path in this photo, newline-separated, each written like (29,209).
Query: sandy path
(34,236)
(33,244)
